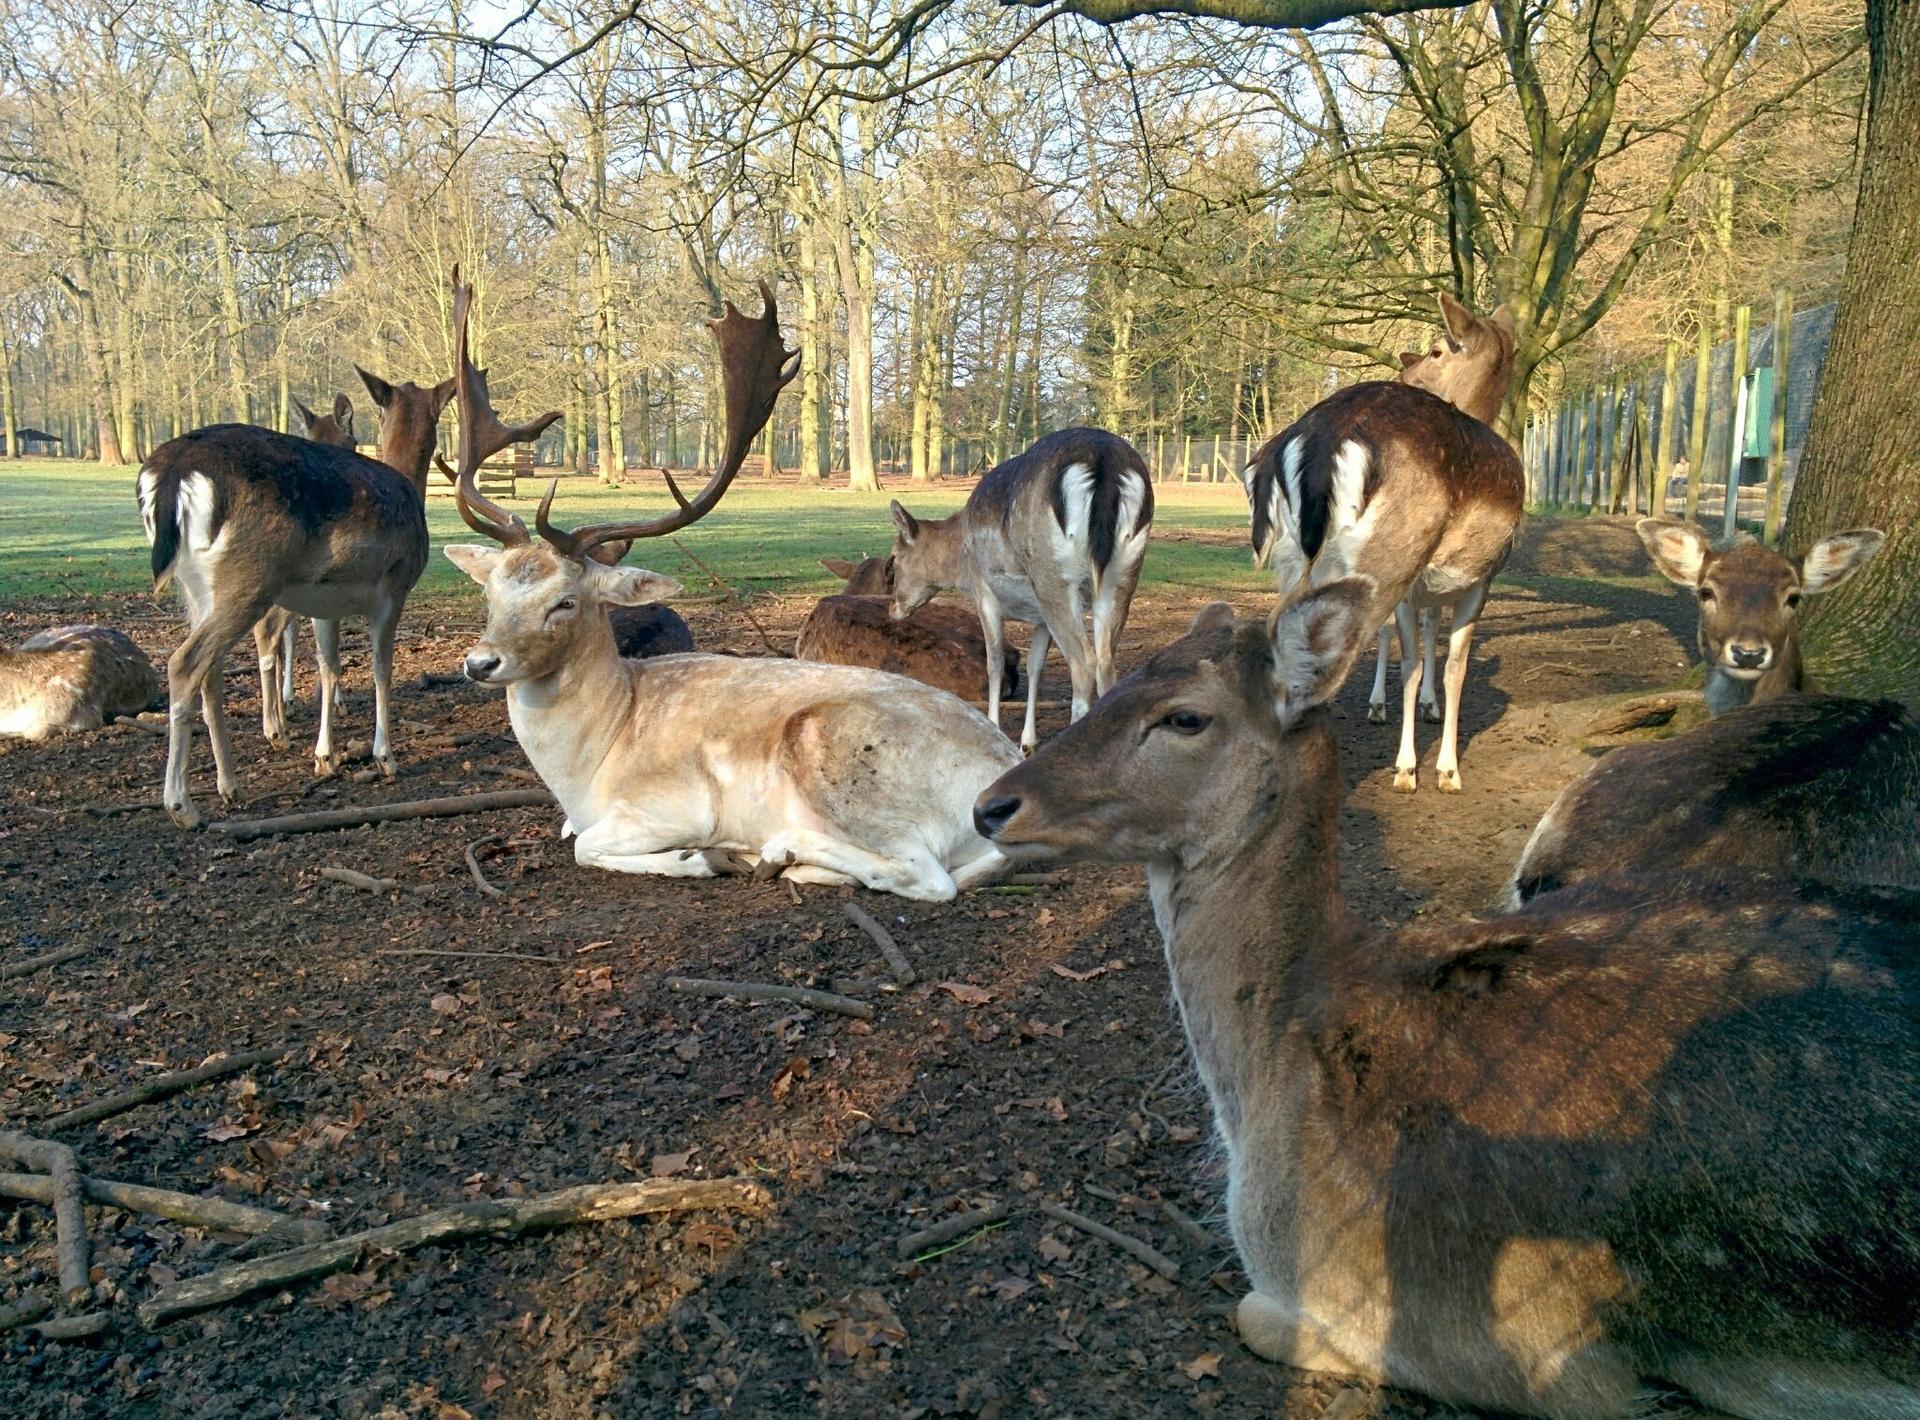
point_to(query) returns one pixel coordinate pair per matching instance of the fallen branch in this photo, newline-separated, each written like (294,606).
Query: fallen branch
(755,991)
(947,1229)
(33,964)
(487,889)
(897,962)
(72,1328)
(165,1203)
(360,880)
(29,1308)
(1158,1261)
(160,1087)
(69,1213)
(1189,1229)
(1036,879)
(589,1203)
(323,819)
(437,952)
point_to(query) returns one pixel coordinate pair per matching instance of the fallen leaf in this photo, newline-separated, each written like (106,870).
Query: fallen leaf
(1008,1288)
(1207,1363)
(493,1382)
(445,1004)
(1044,917)
(222,1130)
(1053,1250)
(966,993)
(1090,973)
(1182,1133)
(449,1411)
(798,1068)
(667,1165)
(704,1232)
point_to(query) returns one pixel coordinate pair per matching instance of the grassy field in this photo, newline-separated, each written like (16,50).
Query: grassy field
(70,529)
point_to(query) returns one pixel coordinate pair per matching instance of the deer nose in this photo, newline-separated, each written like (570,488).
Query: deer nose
(1748,658)
(995,814)
(480,665)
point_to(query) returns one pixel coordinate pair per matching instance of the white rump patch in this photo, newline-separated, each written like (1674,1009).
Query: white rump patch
(1350,524)
(1070,546)
(1129,547)
(195,505)
(145,486)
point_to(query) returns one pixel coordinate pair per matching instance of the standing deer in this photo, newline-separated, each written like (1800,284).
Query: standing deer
(1647,1128)
(1749,598)
(1407,484)
(687,765)
(273,633)
(72,678)
(939,644)
(245,519)
(1044,537)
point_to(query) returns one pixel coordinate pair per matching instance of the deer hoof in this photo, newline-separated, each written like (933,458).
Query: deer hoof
(324,766)
(184,814)
(1430,713)
(1377,713)
(388,770)
(726,863)
(278,741)
(1447,781)
(1027,747)
(1406,781)
(768,869)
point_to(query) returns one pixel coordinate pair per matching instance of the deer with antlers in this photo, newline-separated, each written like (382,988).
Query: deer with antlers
(694,765)
(1407,484)
(1648,1128)
(244,519)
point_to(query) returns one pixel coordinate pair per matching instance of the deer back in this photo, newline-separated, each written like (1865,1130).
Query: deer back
(73,678)
(939,645)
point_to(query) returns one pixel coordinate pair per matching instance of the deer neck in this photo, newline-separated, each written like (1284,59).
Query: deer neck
(945,554)
(408,457)
(567,721)
(1249,917)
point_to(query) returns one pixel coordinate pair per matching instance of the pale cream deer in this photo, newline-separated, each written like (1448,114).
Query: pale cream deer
(72,678)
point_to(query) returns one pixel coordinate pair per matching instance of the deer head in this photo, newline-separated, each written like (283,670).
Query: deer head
(869,577)
(1470,365)
(335,428)
(546,595)
(925,560)
(409,417)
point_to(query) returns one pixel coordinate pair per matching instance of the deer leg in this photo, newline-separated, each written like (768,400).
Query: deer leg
(289,645)
(189,670)
(1036,662)
(1406,767)
(1377,700)
(326,650)
(385,622)
(268,651)
(1429,632)
(919,875)
(993,631)
(213,713)
(1459,641)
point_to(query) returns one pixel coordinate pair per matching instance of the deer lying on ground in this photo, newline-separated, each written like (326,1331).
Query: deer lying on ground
(73,678)
(1407,484)
(1647,1128)
(273,633)
(1045,537)
(1800,786)
(244,519)
(939,644)
(1749,598)
(691,766)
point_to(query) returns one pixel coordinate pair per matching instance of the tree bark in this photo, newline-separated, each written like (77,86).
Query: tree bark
(8,420)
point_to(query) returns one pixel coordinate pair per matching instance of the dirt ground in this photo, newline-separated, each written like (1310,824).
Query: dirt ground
(417,1080)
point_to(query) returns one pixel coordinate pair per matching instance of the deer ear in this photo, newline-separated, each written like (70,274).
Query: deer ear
(1408,359)
(477,562)
(608,554)
(307,416)
(908,525)
(1214,616)
(631,586)
(343,410)
(442,392)
(839,566)
(1315,641)
(1678,549)
(1836,557)
(381,391)
(1456,317)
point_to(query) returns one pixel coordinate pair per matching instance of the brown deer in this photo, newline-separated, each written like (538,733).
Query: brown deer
(73,678)
(1657,1127)
(1802,786)
(1407,484)
(1044,538)
(1749,601)
(939,644)
(244,519)
(691,766)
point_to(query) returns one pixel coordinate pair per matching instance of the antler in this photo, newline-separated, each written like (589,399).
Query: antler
(481,436)
(755,366)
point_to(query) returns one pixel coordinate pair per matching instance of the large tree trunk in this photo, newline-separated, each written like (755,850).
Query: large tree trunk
(1861,466)
(814,433)
(7,416)
(856,290)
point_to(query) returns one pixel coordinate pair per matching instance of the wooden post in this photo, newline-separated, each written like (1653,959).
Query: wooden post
(1590,486)
(1697,430)
(1662,461)
(1656,479)
(1777,442)
(1604,480)
(1186,455)
(1737,423)
(1213,468)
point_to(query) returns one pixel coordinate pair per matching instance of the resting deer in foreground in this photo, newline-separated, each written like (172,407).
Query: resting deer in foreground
(1649,1127)
(1045,537)
(1407,484)
(940,644)
(245,519)
(688,766)
(1802,786)
(1749,599)
(72,678)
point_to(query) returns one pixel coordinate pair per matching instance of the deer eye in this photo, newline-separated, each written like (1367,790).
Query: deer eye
(1706,595)
(1793,599)
(564,604)
(1184,722)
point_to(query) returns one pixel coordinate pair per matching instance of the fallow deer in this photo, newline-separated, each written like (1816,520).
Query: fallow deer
(939,644)
(1749,600)
(273,634)
(691,766)
(73,678)
(1406,483)
(1800,786)
(1648,1127)
(1045,537)
(245,519)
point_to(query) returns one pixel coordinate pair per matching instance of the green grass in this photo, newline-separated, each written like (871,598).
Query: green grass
(71,530)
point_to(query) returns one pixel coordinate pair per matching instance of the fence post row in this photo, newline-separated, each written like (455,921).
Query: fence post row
(1777,440)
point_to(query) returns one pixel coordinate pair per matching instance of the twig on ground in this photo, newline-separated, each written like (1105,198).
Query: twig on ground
(1158,1261)
(322,819)
(1184,1225)
(69,1212)
(134,722)
(130,806)
(360,880)
(487,889)
(588,1203)
(72,1328)
(165,1203)
(947,1229)
(160,1087)
(1036,879)
(437,952)
(508,771)
(757,991)
(32,964)
(897,962)
(30,1307)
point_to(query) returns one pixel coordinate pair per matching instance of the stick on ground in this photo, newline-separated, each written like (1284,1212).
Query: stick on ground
(756,991)
(1158,1261)
(73,1328)
(437,952)
(179,1207)
(160,1087)
(360,880)
(589,1203)
(1185,1225)
(32,964)
(29,1308)
(321,820)
(896,959)
(487,889)
(69,1212)
(949,1228)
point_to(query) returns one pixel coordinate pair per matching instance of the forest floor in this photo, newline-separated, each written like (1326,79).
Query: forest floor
(1038,1059)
